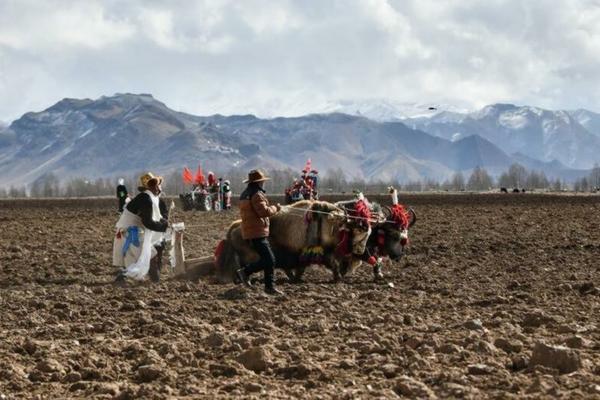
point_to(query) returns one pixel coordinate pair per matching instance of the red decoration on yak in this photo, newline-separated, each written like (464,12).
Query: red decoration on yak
(361,210)
(187,176)
(199,178)
(343,247)
(400,216)
(372,261)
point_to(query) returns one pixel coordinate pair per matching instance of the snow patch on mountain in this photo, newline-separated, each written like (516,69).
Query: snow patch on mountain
(513,120)
(456,136)
(84,134)
(46,147)
(384,110)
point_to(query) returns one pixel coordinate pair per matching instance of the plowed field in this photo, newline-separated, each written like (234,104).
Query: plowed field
(489,282)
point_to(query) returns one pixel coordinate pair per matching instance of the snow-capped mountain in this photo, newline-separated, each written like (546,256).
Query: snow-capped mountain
(128,133)
(537,133)
(382,110)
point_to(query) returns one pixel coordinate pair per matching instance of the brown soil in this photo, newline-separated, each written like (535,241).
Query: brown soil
(485,279)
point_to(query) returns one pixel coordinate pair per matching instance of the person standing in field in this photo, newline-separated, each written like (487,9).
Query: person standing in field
(227,195)
(122,194)
(255,212)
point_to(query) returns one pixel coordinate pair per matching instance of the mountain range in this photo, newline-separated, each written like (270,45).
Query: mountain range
(127,133)
(570,137)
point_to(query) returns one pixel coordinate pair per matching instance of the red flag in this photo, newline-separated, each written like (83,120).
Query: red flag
(199,178)
(187,176)
(307,166)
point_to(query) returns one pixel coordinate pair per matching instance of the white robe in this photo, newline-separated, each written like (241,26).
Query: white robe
(137,259)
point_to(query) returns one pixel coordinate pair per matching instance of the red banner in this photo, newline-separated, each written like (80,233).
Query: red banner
(199,178)
(187,176)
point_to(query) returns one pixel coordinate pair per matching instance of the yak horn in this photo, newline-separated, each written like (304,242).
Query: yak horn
(413,219)
(394,195)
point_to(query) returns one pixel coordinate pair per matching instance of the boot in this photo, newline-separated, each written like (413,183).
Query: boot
(120,278)
(242,277)
(154,271)
(273,292)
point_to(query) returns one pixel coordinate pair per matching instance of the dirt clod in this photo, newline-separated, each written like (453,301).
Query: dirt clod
(414,388)
(557,357)
(148,373)
(508,345)
(254,359)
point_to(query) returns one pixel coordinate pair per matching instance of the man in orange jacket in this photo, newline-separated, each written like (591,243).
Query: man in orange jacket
(255,212)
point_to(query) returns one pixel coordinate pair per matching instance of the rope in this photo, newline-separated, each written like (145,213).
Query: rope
(302,212)
(290,208)
(194,226)
(298,211)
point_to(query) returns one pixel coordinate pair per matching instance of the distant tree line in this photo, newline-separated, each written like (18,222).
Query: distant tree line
(334,180)
(590,182)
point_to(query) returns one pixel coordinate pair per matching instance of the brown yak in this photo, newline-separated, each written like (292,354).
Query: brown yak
(294,229)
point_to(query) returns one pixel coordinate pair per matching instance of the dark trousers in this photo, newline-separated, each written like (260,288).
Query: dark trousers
(266,261)
(156,263)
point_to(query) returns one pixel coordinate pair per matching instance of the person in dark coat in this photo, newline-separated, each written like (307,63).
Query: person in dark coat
(255,212)
(122,194)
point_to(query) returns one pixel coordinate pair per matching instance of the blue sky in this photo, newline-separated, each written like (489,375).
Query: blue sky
(293,57)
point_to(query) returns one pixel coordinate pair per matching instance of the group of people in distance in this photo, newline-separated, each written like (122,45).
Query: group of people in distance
(140,231)
(219,189)
(303,188)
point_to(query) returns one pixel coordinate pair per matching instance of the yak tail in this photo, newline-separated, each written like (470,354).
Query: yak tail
(219,253)
(226,261)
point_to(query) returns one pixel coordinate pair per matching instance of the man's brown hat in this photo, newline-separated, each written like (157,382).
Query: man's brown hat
(256,176)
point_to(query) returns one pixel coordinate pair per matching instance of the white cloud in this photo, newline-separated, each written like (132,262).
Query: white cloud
(47,27)
(292,57)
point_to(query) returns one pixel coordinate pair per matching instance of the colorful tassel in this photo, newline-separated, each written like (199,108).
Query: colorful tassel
(312,255)
(400,216)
